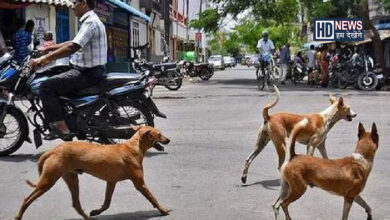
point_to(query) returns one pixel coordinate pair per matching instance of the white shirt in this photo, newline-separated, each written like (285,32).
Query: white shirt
(92,39)
(311,56)
(265,47)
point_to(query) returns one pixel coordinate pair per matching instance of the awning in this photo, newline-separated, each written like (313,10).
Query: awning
(130,9)
(67,3)
(383,34)
(384,26)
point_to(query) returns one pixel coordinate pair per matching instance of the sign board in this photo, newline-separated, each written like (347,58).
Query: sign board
(198,36)
(338,29)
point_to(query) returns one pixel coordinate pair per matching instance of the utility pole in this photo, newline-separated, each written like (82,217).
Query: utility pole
(197,41)
(187,23)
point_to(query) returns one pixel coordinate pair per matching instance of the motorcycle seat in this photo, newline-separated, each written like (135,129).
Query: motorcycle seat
(165,66)
(201,64)
(112,81)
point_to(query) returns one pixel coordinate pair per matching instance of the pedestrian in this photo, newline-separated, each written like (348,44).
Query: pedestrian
(22,40)
(284,60)
(311,59)
(324,66)
(48,40)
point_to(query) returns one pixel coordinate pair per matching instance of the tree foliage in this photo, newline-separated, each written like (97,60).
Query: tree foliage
(208,20)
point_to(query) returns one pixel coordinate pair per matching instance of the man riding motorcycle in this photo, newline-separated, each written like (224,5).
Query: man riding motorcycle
(89,49)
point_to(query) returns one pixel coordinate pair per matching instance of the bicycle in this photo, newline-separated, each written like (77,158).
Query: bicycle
(271,73)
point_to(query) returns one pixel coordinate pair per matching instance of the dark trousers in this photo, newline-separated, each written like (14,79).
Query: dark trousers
(66,83)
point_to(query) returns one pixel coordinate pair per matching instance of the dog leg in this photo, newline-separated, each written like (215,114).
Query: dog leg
(47,179)
(297,188)
(33,196)
(261,142)
(281,150)
(282,195)
(72,180)
(107,200)
(322,150)
(142,188)
(359,200)
(347,207)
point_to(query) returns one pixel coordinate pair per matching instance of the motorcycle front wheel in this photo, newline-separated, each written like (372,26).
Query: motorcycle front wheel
(367,81)
(13,132)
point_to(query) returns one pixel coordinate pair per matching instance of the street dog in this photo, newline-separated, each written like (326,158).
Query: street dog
(278,126)
(314,78)
(111,163)
(344,177)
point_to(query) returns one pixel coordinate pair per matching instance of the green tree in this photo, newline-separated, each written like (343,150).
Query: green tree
(208,20)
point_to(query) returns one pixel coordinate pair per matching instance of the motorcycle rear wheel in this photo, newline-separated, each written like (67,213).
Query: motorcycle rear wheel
(129,113)
(206,74)
(174,81)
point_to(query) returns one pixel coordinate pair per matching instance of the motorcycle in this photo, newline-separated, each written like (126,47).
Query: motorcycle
(358,72)
(298,73)
(167,73)
(203,70)
(103,113)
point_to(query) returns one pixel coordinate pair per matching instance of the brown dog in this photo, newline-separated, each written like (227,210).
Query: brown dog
(344,177)
(111,163)
(278,126)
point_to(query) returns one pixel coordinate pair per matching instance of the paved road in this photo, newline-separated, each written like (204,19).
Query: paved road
(213,127)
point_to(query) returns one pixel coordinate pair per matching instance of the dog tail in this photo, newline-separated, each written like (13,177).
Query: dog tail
(31,184)
(293,138)
(267,107)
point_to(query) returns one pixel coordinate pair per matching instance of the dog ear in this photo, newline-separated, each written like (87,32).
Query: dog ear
(341,102)
(332,99)
(147,133)
(374,133)
(361,130)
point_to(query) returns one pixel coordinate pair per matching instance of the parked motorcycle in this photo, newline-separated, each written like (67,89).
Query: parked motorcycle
(103,113)
(203,70)
(358,72)
(167,73)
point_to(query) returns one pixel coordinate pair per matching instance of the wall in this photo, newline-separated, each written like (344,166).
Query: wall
(40,14)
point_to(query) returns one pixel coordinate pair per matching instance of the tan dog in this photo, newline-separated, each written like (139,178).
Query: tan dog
(111,163)
(314,78)
(344,177)
(278,126)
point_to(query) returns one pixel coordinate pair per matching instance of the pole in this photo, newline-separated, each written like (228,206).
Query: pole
(198,42)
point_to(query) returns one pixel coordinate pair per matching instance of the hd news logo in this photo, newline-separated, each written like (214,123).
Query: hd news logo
(341,29)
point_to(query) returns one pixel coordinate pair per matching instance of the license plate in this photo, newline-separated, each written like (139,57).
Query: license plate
(380,76)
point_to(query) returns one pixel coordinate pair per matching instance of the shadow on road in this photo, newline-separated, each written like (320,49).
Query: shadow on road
(35,157)
(268,184)
(154,153)
(139,215)
(21,157)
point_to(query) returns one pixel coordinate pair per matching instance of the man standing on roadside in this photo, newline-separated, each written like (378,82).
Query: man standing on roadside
(284,60)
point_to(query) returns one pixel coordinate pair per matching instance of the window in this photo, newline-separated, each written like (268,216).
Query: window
(135,34)
(162,46)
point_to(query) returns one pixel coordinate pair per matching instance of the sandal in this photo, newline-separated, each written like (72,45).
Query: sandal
(56,134)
